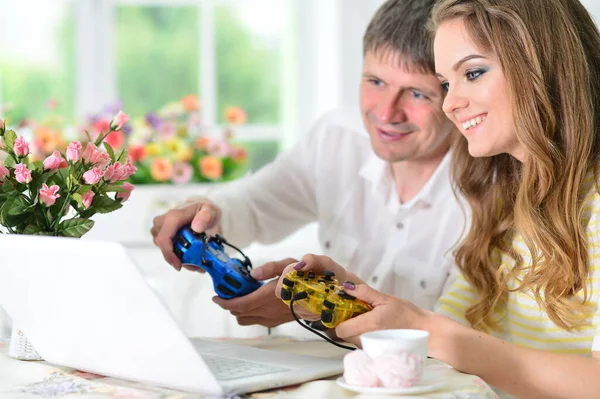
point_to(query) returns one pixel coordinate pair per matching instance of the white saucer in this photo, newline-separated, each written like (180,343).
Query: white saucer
(432,381)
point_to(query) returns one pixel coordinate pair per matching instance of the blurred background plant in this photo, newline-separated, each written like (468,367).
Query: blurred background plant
(168,146)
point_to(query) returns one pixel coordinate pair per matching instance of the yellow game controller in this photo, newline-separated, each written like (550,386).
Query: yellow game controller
(321,294)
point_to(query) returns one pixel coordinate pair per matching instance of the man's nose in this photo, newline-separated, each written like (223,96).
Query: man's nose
(390,110)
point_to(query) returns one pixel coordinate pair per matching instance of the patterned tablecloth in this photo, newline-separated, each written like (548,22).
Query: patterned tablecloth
(34,380)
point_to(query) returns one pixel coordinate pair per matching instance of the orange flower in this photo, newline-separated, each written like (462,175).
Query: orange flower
(161,169)
(47,140)
(235,115)
(190,103)
(202,143)
(211,167)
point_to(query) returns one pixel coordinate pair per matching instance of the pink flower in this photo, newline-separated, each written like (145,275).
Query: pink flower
(119,120)
(54,162)
(87,199)
(95,156)
(125,195)
(128,169)
(21,147)
(3,171)
(112,173)
(182,173)
(92,176)
(219,148)
(74,151)
(48,195)
(22,174)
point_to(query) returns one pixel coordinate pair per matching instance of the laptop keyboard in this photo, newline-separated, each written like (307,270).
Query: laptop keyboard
(231,369)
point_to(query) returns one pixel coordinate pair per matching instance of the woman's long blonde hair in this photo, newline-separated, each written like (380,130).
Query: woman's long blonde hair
(550,55)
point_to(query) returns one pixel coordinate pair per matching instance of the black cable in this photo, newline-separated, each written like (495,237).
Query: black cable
(303,295)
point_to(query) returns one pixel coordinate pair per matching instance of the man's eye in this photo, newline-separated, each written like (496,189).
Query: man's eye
(376,82)
(418,95)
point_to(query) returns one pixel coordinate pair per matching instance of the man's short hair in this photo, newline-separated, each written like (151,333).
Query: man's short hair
(399,28)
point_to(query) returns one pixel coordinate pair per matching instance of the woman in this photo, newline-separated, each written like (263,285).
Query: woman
(523,86)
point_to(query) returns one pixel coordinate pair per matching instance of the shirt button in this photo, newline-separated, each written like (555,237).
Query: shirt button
(374,279)
(400,225)
(423,284)
(327,244)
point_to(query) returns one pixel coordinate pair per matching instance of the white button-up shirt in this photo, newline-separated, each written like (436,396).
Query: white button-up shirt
(332,176)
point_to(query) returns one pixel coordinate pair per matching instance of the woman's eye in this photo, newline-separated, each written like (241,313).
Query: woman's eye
(445,86)
(474,74)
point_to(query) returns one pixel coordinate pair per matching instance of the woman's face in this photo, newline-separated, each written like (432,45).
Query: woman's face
(477,93)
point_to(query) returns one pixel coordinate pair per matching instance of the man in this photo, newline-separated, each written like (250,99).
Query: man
(383,200)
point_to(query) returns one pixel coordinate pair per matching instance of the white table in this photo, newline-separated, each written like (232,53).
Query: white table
(32,380)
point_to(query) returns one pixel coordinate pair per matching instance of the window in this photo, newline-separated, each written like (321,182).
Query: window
(146,53)
(37,62)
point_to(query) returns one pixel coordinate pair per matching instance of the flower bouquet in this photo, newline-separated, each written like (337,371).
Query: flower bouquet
(59,195)
(171,146)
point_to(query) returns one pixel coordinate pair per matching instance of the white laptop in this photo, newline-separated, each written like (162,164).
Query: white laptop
(86,305)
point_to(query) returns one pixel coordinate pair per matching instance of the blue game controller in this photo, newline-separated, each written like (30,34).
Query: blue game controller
(231,277)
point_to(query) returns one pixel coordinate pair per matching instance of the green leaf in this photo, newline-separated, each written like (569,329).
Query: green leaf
(33,230)
(19,207)
(77,197)
(114,188)
(122,157)
(84,189)
(102,204)
(9,139)
(75,227)
(9,162)
(110,151)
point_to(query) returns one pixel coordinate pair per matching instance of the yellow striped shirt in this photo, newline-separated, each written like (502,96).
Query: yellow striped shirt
(523,322)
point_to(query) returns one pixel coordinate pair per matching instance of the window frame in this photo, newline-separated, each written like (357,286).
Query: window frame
(96,65)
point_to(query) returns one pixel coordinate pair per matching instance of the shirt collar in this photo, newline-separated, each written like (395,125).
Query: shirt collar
(379,174)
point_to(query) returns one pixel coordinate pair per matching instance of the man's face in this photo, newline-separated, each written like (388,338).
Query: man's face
(402,110)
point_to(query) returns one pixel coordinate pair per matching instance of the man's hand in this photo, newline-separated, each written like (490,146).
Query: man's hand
(262,306)
(203,215)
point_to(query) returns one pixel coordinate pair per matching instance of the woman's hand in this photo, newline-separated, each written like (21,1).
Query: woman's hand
(388,313)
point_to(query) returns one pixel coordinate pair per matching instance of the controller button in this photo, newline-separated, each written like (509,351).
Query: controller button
(322,281)
(328,304)
(345,295)
(331,287)
(288,283)
(311,275)
(207,263)
(225,290)
(286,295)
(329,273)
(178,252)
(326,317)
(181,240)
(232,281)
(300,274)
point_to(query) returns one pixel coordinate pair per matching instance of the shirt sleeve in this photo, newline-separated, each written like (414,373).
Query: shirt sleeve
(593,235)
(278,199)
(456,300)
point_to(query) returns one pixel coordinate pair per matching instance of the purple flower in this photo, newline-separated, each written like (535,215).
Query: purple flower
(154,120)
(114,107)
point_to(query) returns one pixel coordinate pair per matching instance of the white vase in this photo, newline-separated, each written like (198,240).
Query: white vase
(20,347)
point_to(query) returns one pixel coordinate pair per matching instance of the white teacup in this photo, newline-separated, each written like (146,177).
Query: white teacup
(375,343)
